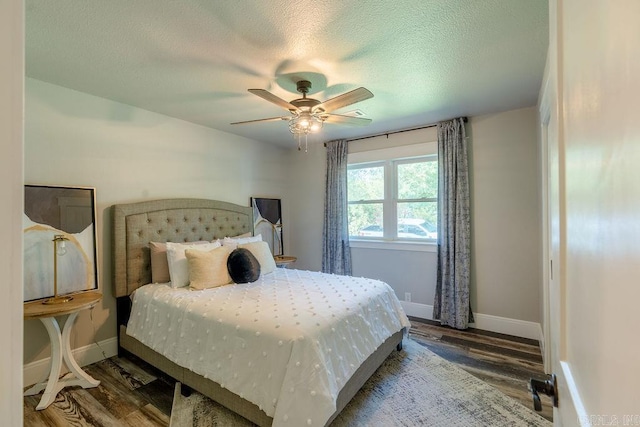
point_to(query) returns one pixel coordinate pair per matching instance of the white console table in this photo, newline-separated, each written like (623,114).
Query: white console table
(60,345)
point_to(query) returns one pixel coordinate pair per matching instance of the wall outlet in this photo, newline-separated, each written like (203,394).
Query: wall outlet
(407,296)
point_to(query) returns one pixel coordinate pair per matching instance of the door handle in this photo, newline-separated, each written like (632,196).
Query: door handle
(548,387)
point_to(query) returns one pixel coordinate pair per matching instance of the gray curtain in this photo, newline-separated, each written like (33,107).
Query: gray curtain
(336,254)
(451,305)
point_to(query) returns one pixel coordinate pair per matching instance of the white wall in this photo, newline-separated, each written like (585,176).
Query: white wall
(600,64)
(11,194)
(505,219)
(129,154)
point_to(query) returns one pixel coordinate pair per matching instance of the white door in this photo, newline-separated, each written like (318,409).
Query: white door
(554,295)
(554,240)
(589,126)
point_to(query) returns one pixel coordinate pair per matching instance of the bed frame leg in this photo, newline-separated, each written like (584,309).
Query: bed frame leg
(185,390)
(399,346)
(123,353)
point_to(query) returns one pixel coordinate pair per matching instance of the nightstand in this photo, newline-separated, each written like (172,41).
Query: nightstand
(284,260)
(60,345)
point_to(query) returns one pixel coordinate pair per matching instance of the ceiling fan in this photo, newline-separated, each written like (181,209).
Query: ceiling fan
(308,114)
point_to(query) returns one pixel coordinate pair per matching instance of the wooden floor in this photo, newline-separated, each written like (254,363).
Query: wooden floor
(132,393)
(504,361)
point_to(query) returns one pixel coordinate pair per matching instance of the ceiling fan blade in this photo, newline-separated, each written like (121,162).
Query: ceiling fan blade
(270,119)
(345,99)
(274,99)
(346,120)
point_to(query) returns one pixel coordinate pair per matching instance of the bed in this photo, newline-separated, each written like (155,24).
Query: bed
(289,349)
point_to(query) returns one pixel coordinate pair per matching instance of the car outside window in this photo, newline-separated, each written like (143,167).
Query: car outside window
(394,200)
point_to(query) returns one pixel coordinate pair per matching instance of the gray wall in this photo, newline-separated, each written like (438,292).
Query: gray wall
(505,219)
(128,155)
(506,215)
(307,176)
(405,270)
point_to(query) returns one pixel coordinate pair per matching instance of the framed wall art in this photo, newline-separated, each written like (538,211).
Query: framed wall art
(60,234)
(267,221)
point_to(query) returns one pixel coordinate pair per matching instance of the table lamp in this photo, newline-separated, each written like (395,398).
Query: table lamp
(59,249)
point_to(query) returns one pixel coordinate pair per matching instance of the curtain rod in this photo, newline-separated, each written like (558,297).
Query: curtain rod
(464,119)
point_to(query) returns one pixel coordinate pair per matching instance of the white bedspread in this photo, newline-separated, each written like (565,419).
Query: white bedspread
(288,342)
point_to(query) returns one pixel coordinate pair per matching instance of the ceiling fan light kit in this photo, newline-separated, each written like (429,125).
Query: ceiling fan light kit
(305,123)
(308,115)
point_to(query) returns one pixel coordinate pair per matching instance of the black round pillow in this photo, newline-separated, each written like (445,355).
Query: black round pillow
(243,267)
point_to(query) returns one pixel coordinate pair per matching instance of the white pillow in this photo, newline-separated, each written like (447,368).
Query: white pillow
(263,254)
(233,242)
(159,263)
(177,260)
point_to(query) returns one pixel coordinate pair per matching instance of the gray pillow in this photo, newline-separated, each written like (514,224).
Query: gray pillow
(243,266)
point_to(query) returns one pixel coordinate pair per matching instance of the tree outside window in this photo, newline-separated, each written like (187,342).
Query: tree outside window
(394,199)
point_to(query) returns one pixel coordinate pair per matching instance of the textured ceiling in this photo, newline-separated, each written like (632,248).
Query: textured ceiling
(195,59)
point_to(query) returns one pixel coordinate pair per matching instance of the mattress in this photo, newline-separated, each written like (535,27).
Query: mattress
(287,343)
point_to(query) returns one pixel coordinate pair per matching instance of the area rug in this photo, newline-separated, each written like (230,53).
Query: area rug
(412,387)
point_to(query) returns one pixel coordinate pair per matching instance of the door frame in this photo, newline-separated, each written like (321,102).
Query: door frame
(544,115)
(570,410)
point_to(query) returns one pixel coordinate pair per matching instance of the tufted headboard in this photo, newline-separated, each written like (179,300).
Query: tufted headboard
(169,220)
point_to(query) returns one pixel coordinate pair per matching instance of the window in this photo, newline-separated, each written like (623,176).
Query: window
(394,199)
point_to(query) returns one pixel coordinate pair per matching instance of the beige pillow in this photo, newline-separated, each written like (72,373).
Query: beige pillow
(263,254)
(178,264)
(208,269)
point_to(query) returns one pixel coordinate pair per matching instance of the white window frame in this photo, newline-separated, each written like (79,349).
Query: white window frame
(390,158)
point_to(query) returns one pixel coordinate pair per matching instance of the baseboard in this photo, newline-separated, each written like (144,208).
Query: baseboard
(505,325)
(423,311)
(487,322)
(36,371)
